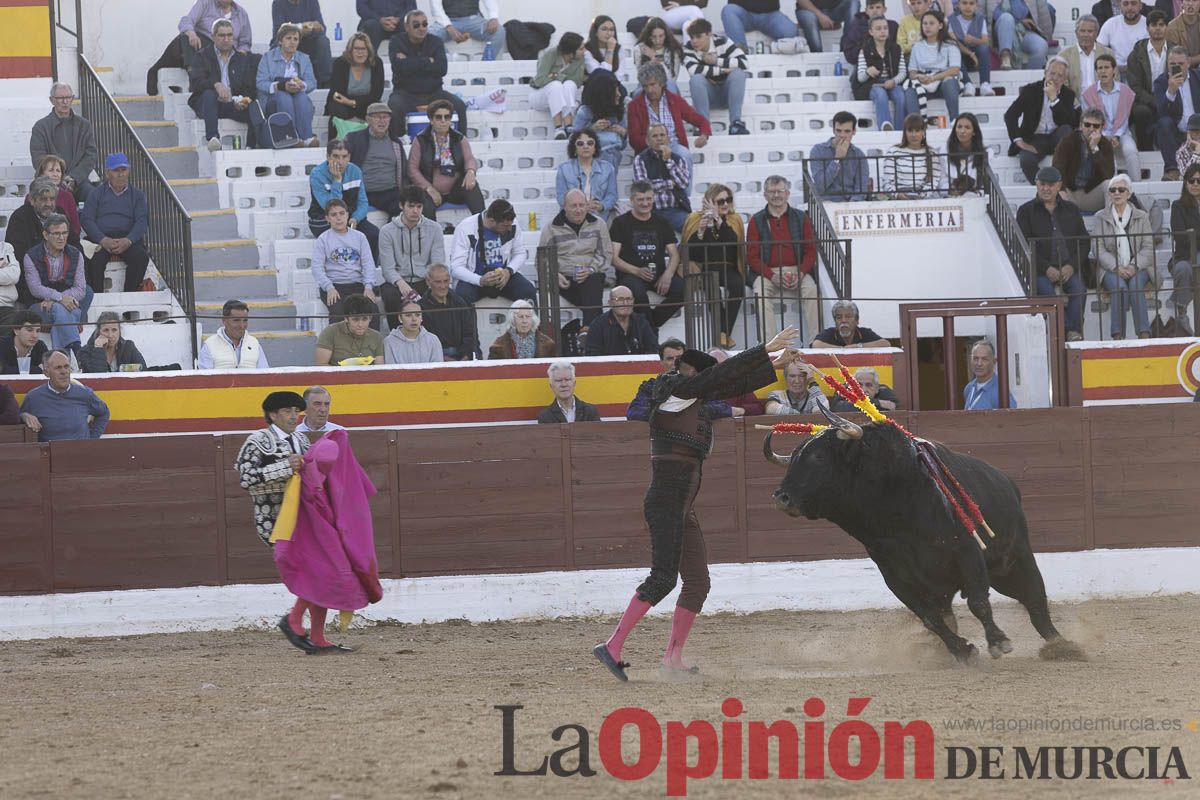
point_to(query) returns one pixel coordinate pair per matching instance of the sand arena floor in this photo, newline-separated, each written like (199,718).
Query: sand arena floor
(243,715)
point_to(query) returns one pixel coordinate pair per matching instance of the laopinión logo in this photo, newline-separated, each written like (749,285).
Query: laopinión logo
(737,748)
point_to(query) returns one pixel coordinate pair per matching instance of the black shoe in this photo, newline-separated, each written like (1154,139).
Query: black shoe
(299,640)
(330,649)
(617,668)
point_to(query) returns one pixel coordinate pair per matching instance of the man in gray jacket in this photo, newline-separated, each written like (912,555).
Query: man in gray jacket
(68,136)
(407,246)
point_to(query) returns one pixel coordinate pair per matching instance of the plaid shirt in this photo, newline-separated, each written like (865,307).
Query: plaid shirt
(666,189)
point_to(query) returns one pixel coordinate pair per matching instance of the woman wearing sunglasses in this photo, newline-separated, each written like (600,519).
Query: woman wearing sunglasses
(714,239)
(441,164)
(1185,220)
(1126,256)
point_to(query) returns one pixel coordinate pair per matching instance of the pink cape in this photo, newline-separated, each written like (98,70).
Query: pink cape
(330,559)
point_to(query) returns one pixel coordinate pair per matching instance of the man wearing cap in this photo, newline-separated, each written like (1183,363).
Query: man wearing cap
(116,218)
(381,158)
(1177,93)
(1189,152)
(1060,245)
(680,439)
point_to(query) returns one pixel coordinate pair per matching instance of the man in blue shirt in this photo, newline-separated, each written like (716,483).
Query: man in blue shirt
(59,409)
(984,392)
(116,217)
(839,169)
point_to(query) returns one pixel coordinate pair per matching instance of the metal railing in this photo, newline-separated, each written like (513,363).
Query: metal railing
(836,254)
(893,176)
(169,237)
(1005,221)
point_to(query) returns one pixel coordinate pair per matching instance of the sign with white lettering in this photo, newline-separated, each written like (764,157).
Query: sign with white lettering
(892,219)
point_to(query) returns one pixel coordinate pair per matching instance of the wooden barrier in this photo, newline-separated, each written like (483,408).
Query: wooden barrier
(165,511)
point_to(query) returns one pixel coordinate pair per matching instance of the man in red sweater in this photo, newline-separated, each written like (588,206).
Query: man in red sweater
(781,250)
(656,105)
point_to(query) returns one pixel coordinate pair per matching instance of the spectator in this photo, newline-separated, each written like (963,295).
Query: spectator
(879,393)
(381,19)
(222,83)
(983,391)
(621,331)
(1126,257)
(1055,228)
(1080,57)
(1189,152)
(1023,31)
(318,402)
(381,159)
(914,169)
(856,33)
(965,156)
(603,110)
(52,167)
(645,256)
(68,136)
(1184,30)
(746,405)
(1086,161)
(838,168)
(718,74)
(814,16)
(232,347)
(601,50)
(803,394)
(566,406)
(314,42)
(656,105)
(669,353)
(781,250)
(107,350)
(354,337)
(1104,10)
(678,13)
(116,216)
(741,16)
(522,339)
(1147,61)
(196,29)
(881,75)
(1041,117)
(934,67)
(583,170)
(1114,100)
(1121,33)
(1177,96)
(54,273)
(1185,221)
(846,332)
(61,409)
(908,32)
(441,164)
(355,83)
(408,245)
(583,253)
(557,81)
(968,29)
(418,69)
(714,239)
(410,343)
(342,265)
(10,412)
(468,19)
(450,318)
(340,179)
(10,275)
(668,174)
(656,44)
(486,256)
(285,79)
(21,350)
(25,227)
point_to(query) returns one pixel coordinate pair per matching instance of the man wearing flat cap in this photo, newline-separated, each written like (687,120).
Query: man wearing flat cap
(680,440)
(1054,226)
(381,158)
(270,456)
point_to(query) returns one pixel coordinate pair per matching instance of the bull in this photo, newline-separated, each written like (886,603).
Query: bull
(871,482)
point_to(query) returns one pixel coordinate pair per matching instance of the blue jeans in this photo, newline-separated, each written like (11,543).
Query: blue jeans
(843,12)
(1032,44)
(316,47)
(1168,138)
(948,90)
(517,288)
(1073,288)
(984,53)
(880,97)
(298,105)
(729,93)
(65,333)
(738,20)
(473,26)
(611,145)
(675,217)
(1127,295)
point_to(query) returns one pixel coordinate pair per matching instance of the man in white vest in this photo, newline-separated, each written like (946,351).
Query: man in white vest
(231,347)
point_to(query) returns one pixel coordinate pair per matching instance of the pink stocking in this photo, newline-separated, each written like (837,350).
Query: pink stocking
(681,626)
(633,614)
(296,616)
(317,636)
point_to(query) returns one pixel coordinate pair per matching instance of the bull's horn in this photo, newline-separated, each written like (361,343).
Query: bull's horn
(846,428)
(771,455)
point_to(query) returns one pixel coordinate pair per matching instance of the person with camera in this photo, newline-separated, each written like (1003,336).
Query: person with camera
(1177,94)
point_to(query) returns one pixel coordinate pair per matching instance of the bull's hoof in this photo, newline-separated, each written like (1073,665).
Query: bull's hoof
(1000,648)
(967,655)
(1062,650)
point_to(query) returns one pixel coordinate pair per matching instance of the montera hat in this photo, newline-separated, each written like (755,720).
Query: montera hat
(279,400)
(697,359)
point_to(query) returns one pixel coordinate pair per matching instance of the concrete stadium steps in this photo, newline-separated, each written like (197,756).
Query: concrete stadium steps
(288,348)
(214,225)
(156,133)
(219,285)
(197,193)
(225,254)
(176,162)
(141,107)
(265,315)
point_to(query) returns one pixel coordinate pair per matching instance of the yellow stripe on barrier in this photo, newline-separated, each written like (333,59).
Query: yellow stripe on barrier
(24,31)
(1129,372)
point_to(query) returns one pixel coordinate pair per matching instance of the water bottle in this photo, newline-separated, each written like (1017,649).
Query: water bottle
(337,32)
(489,54)
(837,68)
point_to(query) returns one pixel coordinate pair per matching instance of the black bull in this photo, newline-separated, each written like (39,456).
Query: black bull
(875,489)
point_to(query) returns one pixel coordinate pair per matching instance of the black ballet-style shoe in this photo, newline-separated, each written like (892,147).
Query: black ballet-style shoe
(617,668)
(331,649)
(297,639)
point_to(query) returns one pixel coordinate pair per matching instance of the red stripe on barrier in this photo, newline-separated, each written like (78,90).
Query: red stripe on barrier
(1134,392)
(26,67)
(23,3)
(1142,351)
